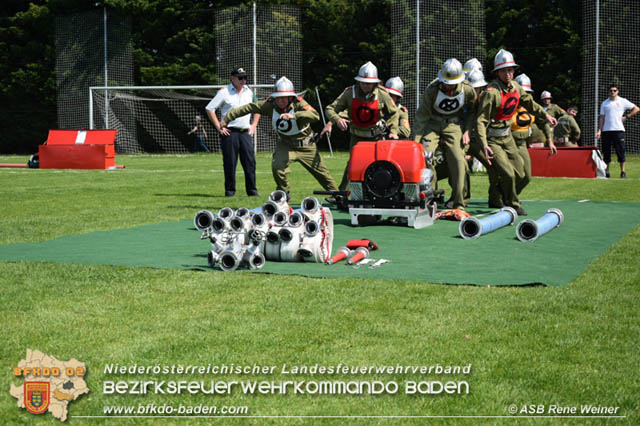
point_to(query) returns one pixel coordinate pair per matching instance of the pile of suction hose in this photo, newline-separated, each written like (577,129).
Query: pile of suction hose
(247,238)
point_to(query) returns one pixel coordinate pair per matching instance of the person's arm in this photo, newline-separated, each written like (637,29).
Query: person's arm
(333,110)
(392,112)
(192,131)
(600,124)
(211,112)
(486,110)
(575,130)
(470,99)
(633,112)
(216,123)
(254,124)
(252,108)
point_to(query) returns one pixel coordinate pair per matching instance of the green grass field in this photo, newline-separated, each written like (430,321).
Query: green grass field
(570,346)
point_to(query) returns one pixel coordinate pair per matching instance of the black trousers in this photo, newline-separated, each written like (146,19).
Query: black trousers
(238,143)
(615,138)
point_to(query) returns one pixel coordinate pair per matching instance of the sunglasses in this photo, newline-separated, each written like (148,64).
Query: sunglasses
(242,78)
(613,90)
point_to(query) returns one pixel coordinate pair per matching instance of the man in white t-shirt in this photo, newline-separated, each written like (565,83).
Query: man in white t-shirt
(611,127)
(236,139)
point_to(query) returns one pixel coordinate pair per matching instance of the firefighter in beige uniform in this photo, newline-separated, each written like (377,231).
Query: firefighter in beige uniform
(521,131)
(497,106)
(394,86)
(366,103)
(567,132)
(476,78)
(439,124)
(291,117)
(552,109)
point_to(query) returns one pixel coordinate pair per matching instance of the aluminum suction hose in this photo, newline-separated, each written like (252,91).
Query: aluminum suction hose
(472,227)
(529,230)
(203,219)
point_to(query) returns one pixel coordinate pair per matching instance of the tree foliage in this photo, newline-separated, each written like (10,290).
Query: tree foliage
(174,43)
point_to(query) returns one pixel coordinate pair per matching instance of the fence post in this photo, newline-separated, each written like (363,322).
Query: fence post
(596,111)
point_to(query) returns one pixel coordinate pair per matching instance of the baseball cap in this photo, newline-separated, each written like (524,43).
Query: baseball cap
(239,72)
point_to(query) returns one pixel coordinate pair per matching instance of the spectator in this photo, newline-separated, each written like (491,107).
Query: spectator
(200,135)
(611,127)
(236,137)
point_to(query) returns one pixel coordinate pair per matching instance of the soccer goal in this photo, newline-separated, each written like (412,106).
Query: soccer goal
(158,119)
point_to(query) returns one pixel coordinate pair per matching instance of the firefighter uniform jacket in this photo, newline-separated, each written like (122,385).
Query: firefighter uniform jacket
(365,111)
(499,103)
(439,106)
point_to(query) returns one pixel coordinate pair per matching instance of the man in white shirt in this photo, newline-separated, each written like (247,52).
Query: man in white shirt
(237,138)
(611,127)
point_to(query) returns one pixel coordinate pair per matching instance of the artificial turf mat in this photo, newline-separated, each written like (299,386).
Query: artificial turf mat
(434,254)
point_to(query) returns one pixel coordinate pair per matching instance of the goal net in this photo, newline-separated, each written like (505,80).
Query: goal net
(158,118)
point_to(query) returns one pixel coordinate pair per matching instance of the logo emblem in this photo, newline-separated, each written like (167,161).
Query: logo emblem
(523,118)
(449,104)
(36,396)
(510,106)
(284,125)
(365,114)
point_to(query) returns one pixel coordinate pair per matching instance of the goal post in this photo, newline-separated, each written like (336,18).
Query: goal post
(158,118)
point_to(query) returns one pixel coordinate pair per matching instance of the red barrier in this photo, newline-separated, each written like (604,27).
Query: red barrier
(78,149)
(568,162)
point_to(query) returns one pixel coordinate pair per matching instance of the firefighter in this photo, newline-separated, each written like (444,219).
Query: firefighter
(477,81)
(496,108)
(291,117)
(552,109)
(521,131)
(394,86)
(366,103)
(567,132)
(471,65)
(439,124)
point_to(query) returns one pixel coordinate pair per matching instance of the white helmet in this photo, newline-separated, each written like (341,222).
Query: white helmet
(476,78)
(504,59)
(283,87)
(395,86)
(368,73)
(451,72)
(524,81)
(470,65)
(545,95)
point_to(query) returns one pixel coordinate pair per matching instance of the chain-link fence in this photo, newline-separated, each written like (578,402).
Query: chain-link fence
(92,48)
(266,40)
(427,33)
(611,55)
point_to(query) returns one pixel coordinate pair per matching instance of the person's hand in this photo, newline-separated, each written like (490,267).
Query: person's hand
(327,129)
(598,134)
(624,118)
(223,130)
(488,152)
(343,124)
(552,120)
(465,138)
(252,130)
(287,116)
(552,147)
(393,136)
